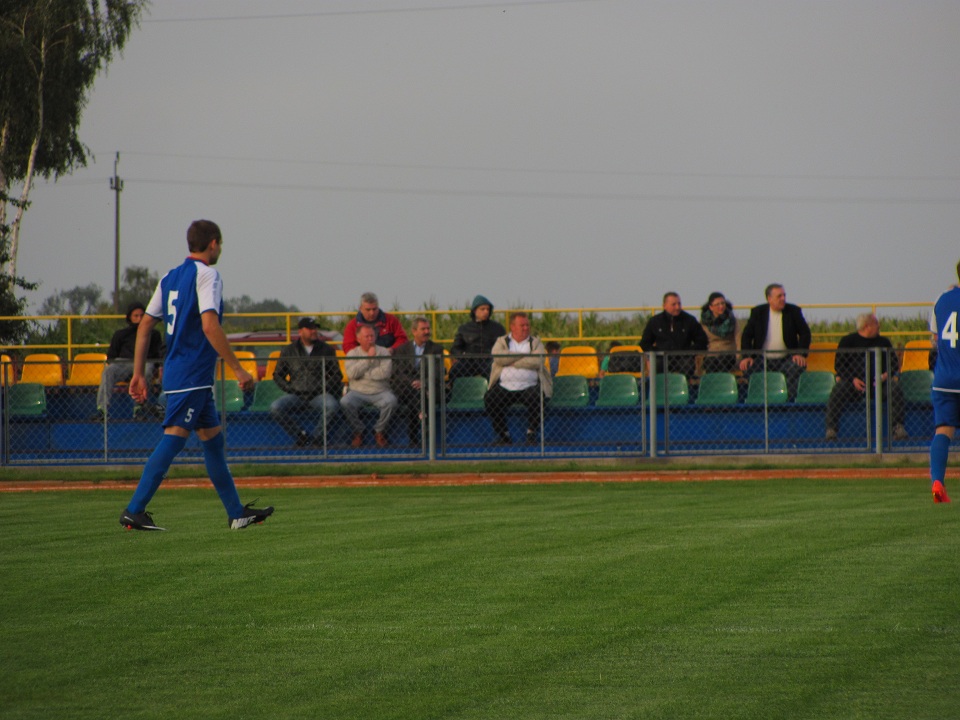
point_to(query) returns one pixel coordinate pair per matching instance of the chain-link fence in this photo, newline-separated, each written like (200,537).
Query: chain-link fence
(642,405)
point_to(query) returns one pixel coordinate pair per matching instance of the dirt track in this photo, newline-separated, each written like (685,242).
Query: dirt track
(375,480)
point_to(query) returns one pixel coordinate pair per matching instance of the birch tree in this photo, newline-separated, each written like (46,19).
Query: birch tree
(51,51)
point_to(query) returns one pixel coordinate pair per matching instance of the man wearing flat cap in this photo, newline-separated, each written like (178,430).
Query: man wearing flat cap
(309,373)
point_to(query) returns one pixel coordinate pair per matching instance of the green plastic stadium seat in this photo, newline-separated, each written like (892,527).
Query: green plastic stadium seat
(678,392)
(916,385)
(229,393)
(467,393)
(618,391)
(719,388)
(815,387)
(570,391)
(27,400)
(776,386)
(264,394)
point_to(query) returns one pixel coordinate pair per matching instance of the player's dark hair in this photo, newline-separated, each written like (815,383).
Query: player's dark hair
(770,288)
(200,233)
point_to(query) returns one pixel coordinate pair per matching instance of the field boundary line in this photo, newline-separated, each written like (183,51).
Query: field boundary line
(481,478)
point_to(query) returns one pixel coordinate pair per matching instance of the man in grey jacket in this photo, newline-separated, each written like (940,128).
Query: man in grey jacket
(368,366)
(518,375)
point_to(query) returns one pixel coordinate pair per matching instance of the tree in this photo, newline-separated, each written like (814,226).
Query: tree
(246,304)
(11,331)
(137,284)
(51,51)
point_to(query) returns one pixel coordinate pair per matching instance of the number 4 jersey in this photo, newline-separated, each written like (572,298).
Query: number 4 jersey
(181,297)
(943,322)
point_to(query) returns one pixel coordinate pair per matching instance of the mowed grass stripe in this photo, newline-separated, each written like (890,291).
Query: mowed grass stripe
(791,598)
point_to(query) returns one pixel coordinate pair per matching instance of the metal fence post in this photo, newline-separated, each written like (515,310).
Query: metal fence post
(652,399)
(431,405)
(878,401)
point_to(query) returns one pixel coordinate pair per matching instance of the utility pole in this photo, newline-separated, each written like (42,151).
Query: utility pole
(116,184)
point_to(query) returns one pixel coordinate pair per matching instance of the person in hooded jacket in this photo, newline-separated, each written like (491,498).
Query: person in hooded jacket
(474,339)
(119,366)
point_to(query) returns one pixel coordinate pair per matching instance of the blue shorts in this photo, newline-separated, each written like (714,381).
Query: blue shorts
(192,410)
(946,408)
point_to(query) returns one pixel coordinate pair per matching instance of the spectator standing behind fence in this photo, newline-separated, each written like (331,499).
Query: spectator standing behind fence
(369,368)
(779,328)
(475,338)
(120,360)
(946,386)
(309,373)
(674,330)
(720,325)
(189,302)
(518,375)
(410,376)
(856,374)
(387,330)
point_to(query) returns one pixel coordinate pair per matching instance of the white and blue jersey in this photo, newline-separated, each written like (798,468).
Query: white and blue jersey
(943,322)
(181,297)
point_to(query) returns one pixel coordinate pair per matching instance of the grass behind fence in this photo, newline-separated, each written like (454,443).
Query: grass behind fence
(791,598)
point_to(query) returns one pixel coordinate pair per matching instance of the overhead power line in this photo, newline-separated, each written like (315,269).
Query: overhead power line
(375,11)
(572,195)
(548,171)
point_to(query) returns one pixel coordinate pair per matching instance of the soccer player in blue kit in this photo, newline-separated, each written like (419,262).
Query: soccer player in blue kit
(946,385)
(189,301)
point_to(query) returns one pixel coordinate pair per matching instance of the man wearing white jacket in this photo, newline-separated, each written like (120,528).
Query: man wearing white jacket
(518,375)
(368,367)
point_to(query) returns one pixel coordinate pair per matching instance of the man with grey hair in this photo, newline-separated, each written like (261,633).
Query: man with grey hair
(856,375)
(387,330)
(410,377)
(368,367)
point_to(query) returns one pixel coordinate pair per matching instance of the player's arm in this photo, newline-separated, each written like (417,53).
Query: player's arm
(138,383)
(218,339)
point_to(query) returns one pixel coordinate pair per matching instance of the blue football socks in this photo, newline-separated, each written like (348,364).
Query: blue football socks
(214,457)
(155,470)
(939,450)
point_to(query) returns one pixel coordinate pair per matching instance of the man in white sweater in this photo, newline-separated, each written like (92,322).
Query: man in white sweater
(519,375)
(368,367)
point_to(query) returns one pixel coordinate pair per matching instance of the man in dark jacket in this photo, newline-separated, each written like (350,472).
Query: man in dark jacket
(856,374)
(120,359)
(475,339)
(774,330)
(674,330)
(309,372)
(409,379)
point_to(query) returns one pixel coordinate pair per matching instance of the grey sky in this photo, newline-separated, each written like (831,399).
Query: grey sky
(560,154)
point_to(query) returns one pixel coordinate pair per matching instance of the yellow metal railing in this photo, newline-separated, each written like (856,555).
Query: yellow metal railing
(547,318)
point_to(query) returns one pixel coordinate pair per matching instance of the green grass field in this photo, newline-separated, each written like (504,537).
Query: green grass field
(783,599)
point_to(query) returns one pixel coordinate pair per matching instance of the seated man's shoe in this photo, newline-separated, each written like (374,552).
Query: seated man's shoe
(382,441)
(357,440)
(503,440)
(831,434)
(303,440)
(99,416)
(900,432)
(532,437)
